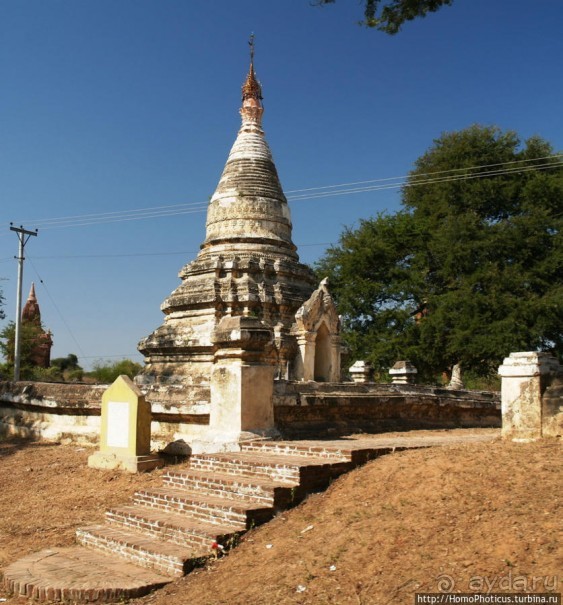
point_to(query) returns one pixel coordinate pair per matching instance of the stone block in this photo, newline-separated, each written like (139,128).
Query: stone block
(361,372)
(403,372)
(525,377)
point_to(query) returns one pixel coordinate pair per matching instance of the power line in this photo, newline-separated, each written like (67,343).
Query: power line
(102,219)
(425,174)
(124,255)
(314,192)
(57,309)
(117,212)
(443,179)
(425,182)
(140,254)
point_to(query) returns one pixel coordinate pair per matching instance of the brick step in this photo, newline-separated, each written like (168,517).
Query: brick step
(233,487)
(298,448)
(76,574)
(238,514)
(308,472)
(332,452)
(144,551)
(175,527)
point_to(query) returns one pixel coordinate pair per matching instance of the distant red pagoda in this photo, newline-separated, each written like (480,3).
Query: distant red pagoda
(40,355)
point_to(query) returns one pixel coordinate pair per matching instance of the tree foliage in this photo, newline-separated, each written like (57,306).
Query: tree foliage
(390,15)
(66,368)
(70,362)
(469,270)
(107,372)
(30,335)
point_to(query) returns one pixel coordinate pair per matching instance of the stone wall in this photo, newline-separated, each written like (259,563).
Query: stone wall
(316,409)
(51,411)
(63,411)
(59,411)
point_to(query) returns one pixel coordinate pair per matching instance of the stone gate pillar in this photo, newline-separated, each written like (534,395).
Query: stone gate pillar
(305,361)
(525,377)
(242,381)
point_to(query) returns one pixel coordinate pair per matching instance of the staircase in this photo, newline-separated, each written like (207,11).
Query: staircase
(215,500)
(167,531)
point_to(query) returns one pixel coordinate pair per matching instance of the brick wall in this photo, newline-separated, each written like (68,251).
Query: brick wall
(307,409)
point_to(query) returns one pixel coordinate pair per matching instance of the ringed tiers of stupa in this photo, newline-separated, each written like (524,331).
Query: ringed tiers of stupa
(247,267)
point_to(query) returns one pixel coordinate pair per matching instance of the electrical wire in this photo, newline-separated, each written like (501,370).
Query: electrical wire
(57,308)
(425,174)
(425,182)
(310,193)
(313,193)
(137,254)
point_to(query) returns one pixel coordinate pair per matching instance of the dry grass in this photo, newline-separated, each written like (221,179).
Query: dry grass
(469,514)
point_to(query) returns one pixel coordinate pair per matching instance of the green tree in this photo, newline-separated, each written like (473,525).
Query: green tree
(469,270)
(67,368)
(107,372)
(30,334)
(390,15)
(70,362)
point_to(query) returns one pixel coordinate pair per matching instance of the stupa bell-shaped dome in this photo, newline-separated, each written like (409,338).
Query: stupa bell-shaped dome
(249,205)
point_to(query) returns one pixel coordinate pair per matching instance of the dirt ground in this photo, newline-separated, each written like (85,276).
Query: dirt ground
(470,518)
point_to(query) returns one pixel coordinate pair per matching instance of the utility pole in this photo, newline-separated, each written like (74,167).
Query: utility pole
(23,237)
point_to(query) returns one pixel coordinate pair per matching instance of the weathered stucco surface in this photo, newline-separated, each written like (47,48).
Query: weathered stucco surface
(532,406)
(52,411)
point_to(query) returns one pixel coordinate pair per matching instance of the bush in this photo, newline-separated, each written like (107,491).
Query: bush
(74,375)
(52,374)
(107,372)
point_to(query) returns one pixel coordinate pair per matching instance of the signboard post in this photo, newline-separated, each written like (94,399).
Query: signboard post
(125,437)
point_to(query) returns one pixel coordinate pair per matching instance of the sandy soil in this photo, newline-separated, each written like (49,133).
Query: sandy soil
(470,518)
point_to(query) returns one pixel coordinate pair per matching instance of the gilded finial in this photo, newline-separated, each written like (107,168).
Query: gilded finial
(252,109)
(251,88)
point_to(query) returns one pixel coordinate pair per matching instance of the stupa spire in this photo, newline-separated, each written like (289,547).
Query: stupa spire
(252,109)
(248,211)
(31,312)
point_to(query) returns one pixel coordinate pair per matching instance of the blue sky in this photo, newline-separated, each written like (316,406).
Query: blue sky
(117,105)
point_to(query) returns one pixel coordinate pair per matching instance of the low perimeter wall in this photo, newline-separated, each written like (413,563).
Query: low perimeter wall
(306,409)
(71,412)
